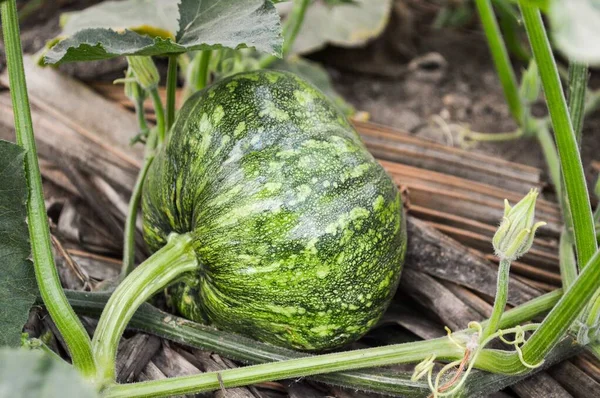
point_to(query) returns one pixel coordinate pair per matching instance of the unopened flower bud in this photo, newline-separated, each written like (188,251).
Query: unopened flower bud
(531,85)
(144,71)
(133,90)
(515,234)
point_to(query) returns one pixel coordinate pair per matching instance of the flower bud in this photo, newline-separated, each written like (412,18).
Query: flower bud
(531,85)
(133,90)
(515,234)
(144,71)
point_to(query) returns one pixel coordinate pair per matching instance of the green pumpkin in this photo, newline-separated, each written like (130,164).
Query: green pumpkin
(298,230)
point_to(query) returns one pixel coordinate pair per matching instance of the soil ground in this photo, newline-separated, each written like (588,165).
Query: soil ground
(444,83)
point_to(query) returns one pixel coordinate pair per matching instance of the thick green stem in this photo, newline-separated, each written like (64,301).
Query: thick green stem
(202,77)
(70,327)
(292,28)
(575,185)
(290,31)
(159,111)
(501,59)
(509,23)
(171,91)
(162,268)
(500,301)
(564,313)
(578,79)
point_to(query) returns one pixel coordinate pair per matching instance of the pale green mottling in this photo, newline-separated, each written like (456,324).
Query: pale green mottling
(360,170)
(218,114)
(274,112)
(345,219)
(323,272)
(303,192)
(205,124)
(232,85)
(324,330)
(239,129)
(247,76)
(304,98)
(287,311)
(379,203)
(272,187)
(272,77)
(311,246)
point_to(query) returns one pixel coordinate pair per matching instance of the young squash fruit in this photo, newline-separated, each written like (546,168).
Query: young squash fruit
(299,232)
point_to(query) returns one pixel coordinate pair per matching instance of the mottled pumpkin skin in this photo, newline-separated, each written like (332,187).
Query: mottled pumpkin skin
(298,230)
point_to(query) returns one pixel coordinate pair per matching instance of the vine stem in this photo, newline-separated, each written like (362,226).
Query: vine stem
(555,325)
(500,301)
(202,78)
(136,194)
(130,222)
(171,91)
(290,31)
(572,169)
(327,363)
(578,80)
(568,263)
(159,110)
(152,320)
(141,116)
(159,270)
(501,59)
(70,327)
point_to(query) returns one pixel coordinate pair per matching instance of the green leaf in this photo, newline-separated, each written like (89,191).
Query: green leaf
(18,288)
(36,374)
(317,75)
(110,32)
(576,29)
(346,25)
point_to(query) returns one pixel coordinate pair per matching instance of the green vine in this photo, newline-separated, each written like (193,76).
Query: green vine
(70,327)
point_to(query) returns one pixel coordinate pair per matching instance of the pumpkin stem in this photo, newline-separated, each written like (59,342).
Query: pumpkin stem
(177,257)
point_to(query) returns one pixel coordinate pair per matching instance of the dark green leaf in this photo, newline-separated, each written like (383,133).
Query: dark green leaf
(230,23)
(317,75)
(18,288)
(203,25)
(36,374)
